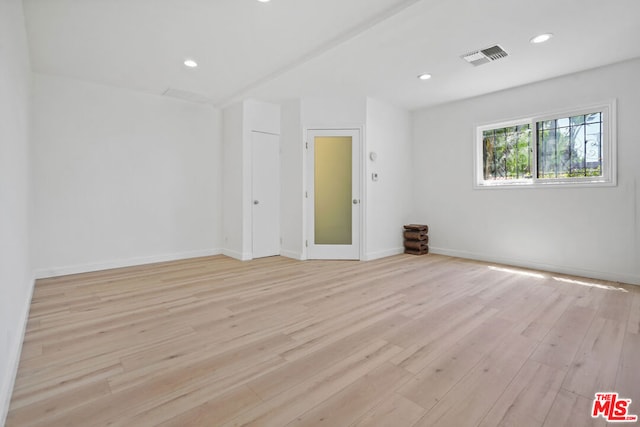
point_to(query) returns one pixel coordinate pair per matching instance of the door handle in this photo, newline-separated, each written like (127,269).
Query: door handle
(356,201)
(256,202)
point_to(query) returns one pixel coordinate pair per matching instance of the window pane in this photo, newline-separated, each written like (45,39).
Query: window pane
(577,152)
(594,117)
(564,154)
(571,148)
(593,149)
(577,120)
(506,153)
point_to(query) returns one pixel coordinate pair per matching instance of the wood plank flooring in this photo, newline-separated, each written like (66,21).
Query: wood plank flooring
(402,341)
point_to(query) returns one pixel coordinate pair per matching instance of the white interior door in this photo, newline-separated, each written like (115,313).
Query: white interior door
(333,174)
(265,188)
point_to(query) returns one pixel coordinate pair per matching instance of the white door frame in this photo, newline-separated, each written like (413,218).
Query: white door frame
(309,177)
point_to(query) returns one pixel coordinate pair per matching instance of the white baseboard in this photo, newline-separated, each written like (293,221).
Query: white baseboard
(367,257)
(291,254)
(561,269)
(6,388)
(242,256)
(106,265)
(382,254)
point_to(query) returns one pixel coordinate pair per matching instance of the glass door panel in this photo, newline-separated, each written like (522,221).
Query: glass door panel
(333,205)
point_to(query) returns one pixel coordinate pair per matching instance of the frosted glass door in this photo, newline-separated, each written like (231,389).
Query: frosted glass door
(332,170)
(334,197)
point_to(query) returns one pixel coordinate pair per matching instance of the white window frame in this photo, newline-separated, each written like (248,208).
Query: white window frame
(609,152)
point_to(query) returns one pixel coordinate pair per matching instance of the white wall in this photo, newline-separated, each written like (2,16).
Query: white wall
(388,202)
(16,276)
(233,179)
(122,178)
(291,180)
(333,112)
(592,232)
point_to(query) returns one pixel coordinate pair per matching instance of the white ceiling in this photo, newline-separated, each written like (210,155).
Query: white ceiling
(291,48)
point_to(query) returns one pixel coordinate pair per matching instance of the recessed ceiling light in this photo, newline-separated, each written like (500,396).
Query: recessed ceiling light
(190,63)
(541,38)
(424,76)
(264,1)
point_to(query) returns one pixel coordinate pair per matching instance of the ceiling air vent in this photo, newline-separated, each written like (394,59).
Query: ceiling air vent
(482,56)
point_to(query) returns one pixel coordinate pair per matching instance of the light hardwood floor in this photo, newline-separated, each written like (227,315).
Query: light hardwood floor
(402,341)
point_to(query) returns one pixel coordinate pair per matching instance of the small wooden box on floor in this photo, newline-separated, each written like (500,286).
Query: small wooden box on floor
(416,239)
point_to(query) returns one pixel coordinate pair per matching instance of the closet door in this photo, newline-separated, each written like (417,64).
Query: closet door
(265,188)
